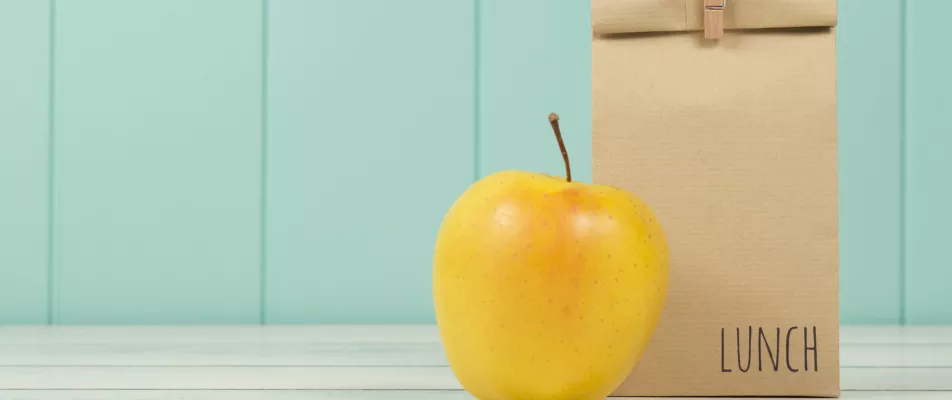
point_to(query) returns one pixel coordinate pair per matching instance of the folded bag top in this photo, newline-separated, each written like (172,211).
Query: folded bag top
(642,16)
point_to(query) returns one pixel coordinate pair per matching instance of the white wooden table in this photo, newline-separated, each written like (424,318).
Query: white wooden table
(356,362)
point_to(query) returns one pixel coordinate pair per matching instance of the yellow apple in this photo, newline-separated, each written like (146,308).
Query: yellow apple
(547,288)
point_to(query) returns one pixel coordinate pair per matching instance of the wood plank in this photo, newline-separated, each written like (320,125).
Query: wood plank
(158,135)
(896,394)
(24,161)
(378,345)
(383,334)
(400,345)
(918,379)
(273,353)
(379,358)
(370,140)
(354,394)
(928,145)
(229,334)
(356,378)
(227,354)
(893,355)
(869,83)
(239,378)
(534,59)
(895,334)
(234,394)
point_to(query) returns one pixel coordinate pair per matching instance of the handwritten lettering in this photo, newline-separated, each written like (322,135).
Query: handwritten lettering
(775,363)
(770,349)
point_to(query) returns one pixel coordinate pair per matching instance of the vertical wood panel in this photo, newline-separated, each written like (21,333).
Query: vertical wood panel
(157,170)
(24,109)
(869,82)
(928,159)
(370,139)
(535,58)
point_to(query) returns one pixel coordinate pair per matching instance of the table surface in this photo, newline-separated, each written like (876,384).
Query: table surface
(356,362)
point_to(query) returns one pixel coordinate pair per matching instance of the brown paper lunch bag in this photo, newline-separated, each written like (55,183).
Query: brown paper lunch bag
(732,141)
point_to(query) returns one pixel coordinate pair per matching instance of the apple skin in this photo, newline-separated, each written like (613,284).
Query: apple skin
(547,289)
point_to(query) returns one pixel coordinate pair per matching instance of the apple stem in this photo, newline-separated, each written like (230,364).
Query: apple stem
(554,121)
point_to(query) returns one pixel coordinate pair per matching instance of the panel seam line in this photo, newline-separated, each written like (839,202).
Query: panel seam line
(263,221)
(476,91)
(902,160)
(51,165)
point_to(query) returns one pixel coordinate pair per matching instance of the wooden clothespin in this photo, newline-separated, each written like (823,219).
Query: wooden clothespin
(714,18)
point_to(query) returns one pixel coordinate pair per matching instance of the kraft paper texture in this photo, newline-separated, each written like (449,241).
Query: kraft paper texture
(733,143)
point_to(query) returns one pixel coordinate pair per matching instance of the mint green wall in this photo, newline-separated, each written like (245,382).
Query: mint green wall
(869,70)
(24,162)
(369,139)
(927,163)
(288,161)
